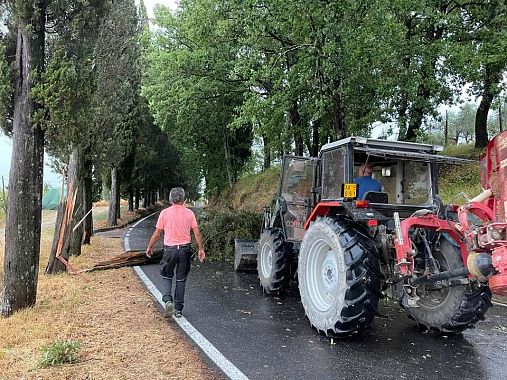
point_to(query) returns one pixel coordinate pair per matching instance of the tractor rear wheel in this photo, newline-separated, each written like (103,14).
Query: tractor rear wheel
(273,262)
(339,276)
(449,309)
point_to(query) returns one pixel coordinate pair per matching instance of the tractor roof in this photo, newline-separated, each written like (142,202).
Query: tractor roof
(396,150)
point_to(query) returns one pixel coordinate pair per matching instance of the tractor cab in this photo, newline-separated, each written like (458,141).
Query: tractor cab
(407,173)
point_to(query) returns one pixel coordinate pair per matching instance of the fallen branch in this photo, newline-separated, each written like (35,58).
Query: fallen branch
(129,258)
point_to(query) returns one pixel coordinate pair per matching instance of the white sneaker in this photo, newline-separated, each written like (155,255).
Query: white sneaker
(169,308)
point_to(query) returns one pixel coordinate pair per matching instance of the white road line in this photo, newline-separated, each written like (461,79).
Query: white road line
(499,304)
(126,240)
(233,372)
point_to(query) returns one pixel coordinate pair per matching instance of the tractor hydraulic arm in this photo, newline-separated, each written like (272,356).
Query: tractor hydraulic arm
(403,244)
(483,248)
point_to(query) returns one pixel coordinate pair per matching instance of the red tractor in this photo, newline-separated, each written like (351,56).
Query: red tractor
(440,261)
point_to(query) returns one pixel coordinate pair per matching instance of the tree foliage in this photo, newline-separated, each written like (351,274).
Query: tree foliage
(300,73)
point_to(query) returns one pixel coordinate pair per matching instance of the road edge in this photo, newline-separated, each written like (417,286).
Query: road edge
(225,365)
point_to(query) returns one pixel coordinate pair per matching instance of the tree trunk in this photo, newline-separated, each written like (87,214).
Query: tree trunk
(296,126)
(421,104)
(113,204)
(338,110)
(88,202)
(118,199)
(228,161)
(406,62)
(481,117)
(66,240)
(138,194)
(267,153)
(24,205)
(131,198)
(500,125)
(55,265)
(145,196)
(314,151)
(446,128)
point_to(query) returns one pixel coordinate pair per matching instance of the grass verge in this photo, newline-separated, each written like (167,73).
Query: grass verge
(251,193)
(108,313)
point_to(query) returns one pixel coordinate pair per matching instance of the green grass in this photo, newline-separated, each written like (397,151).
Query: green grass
(59,352)
(463,151)
(105,215)
(250,193)
(456,180)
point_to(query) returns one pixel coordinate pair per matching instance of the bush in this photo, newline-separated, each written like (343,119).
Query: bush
(59,352)
(220,227)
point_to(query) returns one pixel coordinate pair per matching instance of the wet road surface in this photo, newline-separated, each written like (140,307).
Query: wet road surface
(270,338)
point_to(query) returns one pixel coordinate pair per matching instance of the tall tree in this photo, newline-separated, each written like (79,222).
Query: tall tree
(66,93)
(479,56)
(193,96)
(117,96)
(22,243)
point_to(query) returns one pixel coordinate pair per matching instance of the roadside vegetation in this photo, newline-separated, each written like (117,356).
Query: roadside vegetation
(103,322)
(459,182)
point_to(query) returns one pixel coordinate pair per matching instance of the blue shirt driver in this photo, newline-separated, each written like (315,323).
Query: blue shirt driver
(365,182)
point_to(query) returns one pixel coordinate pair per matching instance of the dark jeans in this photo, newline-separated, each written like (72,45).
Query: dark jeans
(175,260)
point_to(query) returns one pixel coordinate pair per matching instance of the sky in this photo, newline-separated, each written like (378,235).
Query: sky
(51,177)
(150,4)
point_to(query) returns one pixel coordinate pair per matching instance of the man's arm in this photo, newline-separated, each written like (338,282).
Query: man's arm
(198,239)
(152,242)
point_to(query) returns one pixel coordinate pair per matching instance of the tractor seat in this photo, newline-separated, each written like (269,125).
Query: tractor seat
(375,197)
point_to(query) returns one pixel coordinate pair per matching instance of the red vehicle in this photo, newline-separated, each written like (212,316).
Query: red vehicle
(440,261)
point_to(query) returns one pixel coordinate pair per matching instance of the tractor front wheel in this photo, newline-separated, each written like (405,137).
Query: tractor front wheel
(273,263)
(449,309)
(339,276)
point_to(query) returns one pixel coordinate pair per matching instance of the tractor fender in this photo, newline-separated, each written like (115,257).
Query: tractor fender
(322,209)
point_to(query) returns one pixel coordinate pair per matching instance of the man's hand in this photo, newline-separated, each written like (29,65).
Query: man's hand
(152,242)
(202,255)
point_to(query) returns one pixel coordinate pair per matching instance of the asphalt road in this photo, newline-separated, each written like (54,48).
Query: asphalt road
(270,338)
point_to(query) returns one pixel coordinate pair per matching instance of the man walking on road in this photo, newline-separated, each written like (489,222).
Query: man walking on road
(176,222)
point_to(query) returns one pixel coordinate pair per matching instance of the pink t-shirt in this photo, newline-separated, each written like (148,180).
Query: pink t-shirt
(176,221)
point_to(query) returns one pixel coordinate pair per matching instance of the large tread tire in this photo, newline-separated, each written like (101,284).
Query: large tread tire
(462,306)
(273,262)
(339,276)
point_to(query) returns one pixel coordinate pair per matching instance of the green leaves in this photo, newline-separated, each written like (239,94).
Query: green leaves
(191,93)
(59,352)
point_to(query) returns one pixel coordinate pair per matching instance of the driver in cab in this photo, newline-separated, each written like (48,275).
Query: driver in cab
(365,182)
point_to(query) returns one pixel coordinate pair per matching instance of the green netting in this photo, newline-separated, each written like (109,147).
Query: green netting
(51,199)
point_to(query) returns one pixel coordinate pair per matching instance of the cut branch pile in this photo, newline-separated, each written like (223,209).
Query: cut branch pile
(129,258)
